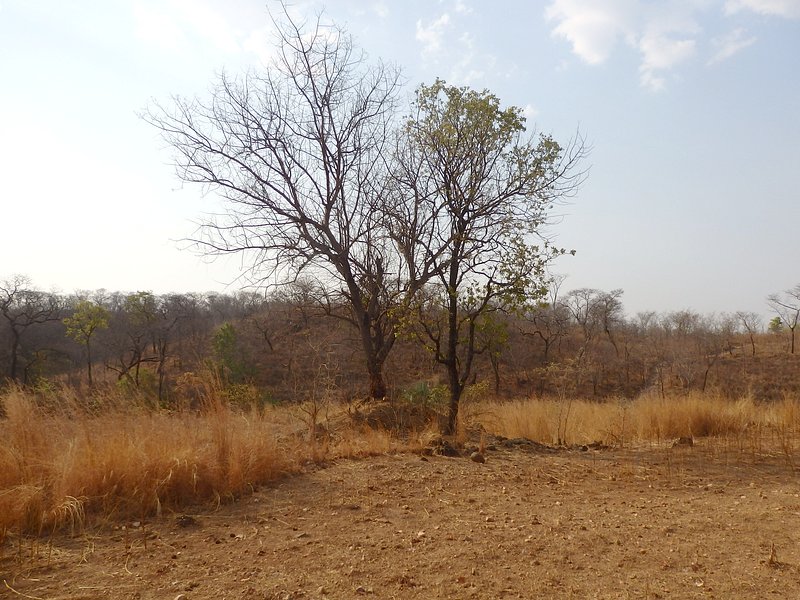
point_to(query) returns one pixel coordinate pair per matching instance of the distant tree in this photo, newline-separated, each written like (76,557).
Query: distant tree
(711,340)
(751,322)
(171,312)
(685,330)
(295,150)
(133,324)
(547,319)
(596,312)
(787,306)
(775,325)
(482,194)
(231,359)
(24,307)
(87,317)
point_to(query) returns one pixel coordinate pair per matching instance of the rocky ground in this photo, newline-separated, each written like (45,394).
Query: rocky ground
(712,520)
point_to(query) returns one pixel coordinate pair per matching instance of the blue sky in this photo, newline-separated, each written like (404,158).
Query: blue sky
(691,107)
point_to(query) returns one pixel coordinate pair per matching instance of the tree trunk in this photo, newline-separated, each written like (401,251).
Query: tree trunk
(12,371)
(375,351)
(89,362)
(494,359)
(451,360)
(377,386)
(455,398)
(161,370)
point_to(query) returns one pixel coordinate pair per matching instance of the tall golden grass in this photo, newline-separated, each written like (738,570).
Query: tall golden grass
(626,422)
(65,459)
(62,461)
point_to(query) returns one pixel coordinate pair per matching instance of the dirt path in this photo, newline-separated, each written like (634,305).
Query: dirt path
(700,522)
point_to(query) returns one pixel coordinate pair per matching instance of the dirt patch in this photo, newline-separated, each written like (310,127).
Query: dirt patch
(705,521)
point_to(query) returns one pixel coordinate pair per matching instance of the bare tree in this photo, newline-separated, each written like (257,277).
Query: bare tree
(482,193)
(295,150)
(548,319)
(22,307)
(133,324)
(787,306)
(752,325)
(595,312)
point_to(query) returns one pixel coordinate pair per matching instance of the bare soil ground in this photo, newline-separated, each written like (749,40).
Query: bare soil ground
(710,521)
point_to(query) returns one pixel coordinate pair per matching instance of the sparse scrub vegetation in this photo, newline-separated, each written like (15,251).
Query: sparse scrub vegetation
(64,462)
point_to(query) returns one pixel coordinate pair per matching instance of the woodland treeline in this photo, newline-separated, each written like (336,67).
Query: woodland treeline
(289,347)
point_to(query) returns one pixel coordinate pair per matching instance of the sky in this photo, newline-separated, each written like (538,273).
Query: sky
(691,109)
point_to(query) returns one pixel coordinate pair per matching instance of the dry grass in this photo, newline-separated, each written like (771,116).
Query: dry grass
(646,419)
(65,460)
(61,462)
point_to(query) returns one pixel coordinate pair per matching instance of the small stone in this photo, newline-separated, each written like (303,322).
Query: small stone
(185,521)
(180,597)
(477,457)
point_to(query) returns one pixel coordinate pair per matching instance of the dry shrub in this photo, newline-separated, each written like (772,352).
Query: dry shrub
(362,441)
(399,417)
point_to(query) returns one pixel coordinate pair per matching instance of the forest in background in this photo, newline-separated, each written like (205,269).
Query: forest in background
(289,347)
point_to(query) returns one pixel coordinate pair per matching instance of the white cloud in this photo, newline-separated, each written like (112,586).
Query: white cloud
(530,112)
(665,33)
(593,27)
(651,81)
(667,39)
(468,39)
(431,35)
(728,45)
(661,53)
(777,8)
(462,7)
(464,70)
